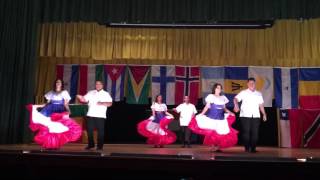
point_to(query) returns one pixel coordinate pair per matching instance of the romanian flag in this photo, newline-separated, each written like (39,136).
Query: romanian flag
(309,88)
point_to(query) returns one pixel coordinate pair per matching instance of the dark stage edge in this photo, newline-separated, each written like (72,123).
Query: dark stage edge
(140,161)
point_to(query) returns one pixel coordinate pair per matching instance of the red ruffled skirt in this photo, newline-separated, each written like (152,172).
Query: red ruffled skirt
(51,140)
(212,138)
(157,133)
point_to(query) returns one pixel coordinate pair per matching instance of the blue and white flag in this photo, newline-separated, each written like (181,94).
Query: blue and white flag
(114,76)
(210,76)
(70,75)
(286,87)
(264,82)
(285,134)
(163,82)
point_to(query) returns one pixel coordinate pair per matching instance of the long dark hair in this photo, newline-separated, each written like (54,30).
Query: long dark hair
(55,82)
(156,98)
(215,87)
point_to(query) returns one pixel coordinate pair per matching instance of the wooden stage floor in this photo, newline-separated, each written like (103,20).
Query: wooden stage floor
(140,161)
(197,152)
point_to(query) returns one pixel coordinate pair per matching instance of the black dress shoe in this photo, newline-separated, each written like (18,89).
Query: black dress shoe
(247,149)
(253,151)
(99,148)
(88,147)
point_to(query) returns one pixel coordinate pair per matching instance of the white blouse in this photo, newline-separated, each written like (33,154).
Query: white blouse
(58,96)
(218,100)
(159,107)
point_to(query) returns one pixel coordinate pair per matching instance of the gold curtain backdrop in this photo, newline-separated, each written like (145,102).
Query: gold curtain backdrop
(288,43)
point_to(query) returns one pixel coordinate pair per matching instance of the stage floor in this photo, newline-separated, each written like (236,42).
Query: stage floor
(197,152)
(141,161)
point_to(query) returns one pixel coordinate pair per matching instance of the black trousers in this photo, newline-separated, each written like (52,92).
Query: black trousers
(98,124)
(250,132)
(185,134)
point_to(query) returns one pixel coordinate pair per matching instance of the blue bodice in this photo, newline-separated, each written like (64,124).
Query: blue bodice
(216,112)
(54,106)
(57,101)
(158,116)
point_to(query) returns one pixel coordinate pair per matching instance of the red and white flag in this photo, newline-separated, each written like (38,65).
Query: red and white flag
(187,83)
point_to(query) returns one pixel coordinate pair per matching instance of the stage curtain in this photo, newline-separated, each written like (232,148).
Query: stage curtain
(18,43)
(288,43)
(104,11)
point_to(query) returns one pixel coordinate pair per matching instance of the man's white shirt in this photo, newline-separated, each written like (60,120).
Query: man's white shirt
(93,97)
(250,103)
(186,112)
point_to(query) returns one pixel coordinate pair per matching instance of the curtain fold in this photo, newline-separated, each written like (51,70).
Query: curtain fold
(169,11)
(18,33)
(288,43)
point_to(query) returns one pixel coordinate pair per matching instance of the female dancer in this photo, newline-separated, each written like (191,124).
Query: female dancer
(156,127)
(52,124)
(213,123)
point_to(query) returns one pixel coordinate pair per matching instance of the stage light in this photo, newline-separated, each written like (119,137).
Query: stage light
(208,25)
(302,160)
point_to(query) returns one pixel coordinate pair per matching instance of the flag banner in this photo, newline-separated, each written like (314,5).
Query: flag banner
(87,78)
(235,81)
(99,75)
(114,76)
(264,82)
(163,82)
(138,84)
(187,83)
(309,88)
(69,73)
(285,135)
(210,76)
(286,87)
(304,126)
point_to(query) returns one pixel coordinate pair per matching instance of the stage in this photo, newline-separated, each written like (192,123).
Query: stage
(145,162)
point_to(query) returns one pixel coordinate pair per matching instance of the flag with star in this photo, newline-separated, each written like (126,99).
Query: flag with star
(286,87)
(114,77)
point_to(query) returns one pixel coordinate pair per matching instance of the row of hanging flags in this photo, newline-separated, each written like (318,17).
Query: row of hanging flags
(288,87)
(300,127)
(296,91)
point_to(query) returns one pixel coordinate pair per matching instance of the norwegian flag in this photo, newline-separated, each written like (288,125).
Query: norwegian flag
(187,83)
